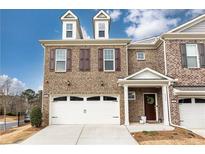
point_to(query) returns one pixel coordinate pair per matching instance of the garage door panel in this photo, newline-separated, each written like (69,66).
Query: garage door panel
(86,112)
(192,115)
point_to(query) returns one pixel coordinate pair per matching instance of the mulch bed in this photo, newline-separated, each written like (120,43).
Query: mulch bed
(178,136)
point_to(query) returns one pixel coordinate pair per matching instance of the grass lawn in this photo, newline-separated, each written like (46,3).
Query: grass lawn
(178,136)
(9,118)
(16,135)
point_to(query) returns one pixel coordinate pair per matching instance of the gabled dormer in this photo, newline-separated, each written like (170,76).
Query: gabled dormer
(101,23)
(71,26)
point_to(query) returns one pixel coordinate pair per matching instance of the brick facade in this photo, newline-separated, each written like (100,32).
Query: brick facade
(83,82)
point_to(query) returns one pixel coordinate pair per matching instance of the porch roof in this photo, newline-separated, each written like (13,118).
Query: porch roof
(145,77)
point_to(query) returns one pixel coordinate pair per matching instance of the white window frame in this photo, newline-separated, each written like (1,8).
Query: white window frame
(198,61)
(113,50)
(69,30)
(139,53)
(61,60)
(134,94)
(100,29)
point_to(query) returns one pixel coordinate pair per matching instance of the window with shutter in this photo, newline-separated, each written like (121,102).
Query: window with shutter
(109,60)
(60,60)
(192,56)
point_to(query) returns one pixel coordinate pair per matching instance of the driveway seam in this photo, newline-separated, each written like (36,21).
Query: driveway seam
(80,134)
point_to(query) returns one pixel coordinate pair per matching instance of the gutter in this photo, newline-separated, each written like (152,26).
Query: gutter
(165,56)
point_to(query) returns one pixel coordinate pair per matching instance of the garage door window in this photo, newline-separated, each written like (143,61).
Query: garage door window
(76,98)
(109,98)
(185,100)
(63,98)
(198,100)
(94,98)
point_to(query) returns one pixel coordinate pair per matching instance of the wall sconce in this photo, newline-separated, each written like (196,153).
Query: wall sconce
(68,83)
(101,83)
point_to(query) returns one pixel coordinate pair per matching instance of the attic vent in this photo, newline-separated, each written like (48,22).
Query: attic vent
(101,15)
(69,16)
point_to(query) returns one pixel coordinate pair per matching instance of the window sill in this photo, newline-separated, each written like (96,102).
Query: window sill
(109,71)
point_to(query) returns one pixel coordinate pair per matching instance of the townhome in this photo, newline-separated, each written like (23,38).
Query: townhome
(118,81)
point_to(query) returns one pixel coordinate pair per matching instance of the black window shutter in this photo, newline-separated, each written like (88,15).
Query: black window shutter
(52,60)
(81,63)
(100,59)
(69,60)
(183,55)
(117,60)
(201,55)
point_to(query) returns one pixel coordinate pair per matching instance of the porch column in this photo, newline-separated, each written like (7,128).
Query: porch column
(165,105)
(126,107)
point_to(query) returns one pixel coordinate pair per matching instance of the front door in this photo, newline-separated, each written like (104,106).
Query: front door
(150,103)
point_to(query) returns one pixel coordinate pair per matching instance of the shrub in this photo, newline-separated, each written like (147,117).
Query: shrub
(11,114)
(36,116)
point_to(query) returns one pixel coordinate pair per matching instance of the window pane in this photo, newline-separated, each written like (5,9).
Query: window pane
(95,98)
(109,65)
(191,50)
(101,33)
(186,100)
(60,54)
(108,54)
(109,98)
(69,27)
(64,98)
(192,61)
(102,26)
(199,100)
(60,66)
(75,98)
(140,55)
(69,34)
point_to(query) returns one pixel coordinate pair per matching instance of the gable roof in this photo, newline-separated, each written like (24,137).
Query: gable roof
(102,15)
(69,15)
(155,75)
(188,24)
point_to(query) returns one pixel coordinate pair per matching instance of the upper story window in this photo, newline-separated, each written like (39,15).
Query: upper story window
(109,59)
(69,30)
(60,62)
(140,56)
(101,29)
(192,56)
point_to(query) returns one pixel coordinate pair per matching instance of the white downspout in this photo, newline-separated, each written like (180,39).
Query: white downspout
(165,56)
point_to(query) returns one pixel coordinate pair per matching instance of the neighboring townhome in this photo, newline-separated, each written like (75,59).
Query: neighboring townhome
(116,81)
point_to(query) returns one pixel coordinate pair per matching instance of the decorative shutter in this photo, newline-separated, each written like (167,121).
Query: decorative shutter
(100,59)
(52,59)
(117,60)
(87,60)
(81,63)
(183,55)
(201,55)
(69,60)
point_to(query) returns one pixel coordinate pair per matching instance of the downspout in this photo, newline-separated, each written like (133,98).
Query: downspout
(165,72)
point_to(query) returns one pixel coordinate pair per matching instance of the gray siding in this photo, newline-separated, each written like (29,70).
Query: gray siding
(200,27)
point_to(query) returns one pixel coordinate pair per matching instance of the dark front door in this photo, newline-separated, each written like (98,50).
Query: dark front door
(149,103)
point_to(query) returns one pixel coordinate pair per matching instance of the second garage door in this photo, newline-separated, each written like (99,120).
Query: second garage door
(85,110)
(192,112)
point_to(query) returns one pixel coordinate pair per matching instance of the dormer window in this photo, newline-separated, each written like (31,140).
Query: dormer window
(101,30)
(69,30)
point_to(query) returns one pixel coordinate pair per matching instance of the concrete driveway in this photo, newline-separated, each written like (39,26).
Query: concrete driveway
(82,134)
(200,132)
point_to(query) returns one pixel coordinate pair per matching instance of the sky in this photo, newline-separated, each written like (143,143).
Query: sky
(21,55)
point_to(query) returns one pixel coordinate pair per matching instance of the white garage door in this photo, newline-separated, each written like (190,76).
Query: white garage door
(85,110)
(192,112)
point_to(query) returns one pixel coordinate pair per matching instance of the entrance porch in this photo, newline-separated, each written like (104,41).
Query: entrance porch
(151,97)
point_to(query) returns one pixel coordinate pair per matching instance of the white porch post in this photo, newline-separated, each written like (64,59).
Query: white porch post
(126,107)
(165,105)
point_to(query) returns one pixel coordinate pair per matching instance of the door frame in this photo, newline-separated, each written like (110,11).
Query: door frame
(156,106)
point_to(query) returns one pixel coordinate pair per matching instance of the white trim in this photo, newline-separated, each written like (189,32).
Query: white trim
(69,12)
(103,12)
(156,106)
(126,105)
(148,69)
(113,50)
(165,105)
(65,50)
(186,25)
(188,93)
(142,52)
